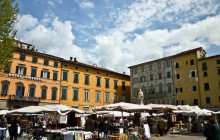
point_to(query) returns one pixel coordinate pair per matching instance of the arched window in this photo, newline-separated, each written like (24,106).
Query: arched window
(31,92)
(43,92)
(5,87)
(54,93)
(20,89)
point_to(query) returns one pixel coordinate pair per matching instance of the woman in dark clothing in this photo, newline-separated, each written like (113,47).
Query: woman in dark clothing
(212,131)
(106,128)
(14,128)
(38,132)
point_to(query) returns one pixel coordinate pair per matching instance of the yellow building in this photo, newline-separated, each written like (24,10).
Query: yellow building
(187,81)
(209,75)
(32,79)
(86,86)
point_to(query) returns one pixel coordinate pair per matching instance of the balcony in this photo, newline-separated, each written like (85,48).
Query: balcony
(24,98)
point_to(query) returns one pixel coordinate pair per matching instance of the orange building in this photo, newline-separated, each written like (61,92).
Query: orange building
(86,86)
(32,79)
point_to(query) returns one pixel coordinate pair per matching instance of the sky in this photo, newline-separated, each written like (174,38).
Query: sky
(116,34)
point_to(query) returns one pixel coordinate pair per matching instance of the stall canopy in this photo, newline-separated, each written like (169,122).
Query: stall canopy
(122,106)
(63,109)
(161,107)
(30,110)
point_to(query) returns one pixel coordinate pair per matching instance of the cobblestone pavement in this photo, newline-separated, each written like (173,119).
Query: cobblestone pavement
(180,137)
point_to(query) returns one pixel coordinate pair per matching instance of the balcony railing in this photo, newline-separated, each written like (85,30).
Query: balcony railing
(24,98)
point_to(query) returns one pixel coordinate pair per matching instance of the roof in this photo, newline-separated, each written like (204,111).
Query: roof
(181,53)
(93,67)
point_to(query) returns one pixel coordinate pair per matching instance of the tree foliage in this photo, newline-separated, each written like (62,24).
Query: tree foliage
(8,17)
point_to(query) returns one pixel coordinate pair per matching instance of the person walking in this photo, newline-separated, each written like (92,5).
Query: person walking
(106,128)
(3,127)
(212,130)
(89,124)
(14,128)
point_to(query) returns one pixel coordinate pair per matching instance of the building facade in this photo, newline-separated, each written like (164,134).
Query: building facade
(187,78)
(36,78)
(209,77)
(155,79)
(86,86)
(32,79)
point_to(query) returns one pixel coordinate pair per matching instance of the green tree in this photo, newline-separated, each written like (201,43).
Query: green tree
(8,18)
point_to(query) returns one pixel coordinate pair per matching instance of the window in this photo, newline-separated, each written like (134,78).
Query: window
(142,79)
(194,88)
(195,101)
(135,71)
(106,83)
(219,99)
(168,63)
(64,93)
(177,76)
(34,59)
(33,72)
(151,89)
(22,57)
(218,61)
(123,86)
(160,76)
(142,69)
(5,87)
(160,88)
(55,64)
(54,93)
(75,94)
(86,95)
(158,65)
(150,67)
(76,78)
(55,75)
(32,91)
(21,70)
(43,92)
(46,62)
(168,74)
(177,65)
(98,81)
(205,73)
(169,88)
(123,97)
(151,77)
(192,62)
(45,74)
(20,89)
(98,96)
(204,66)
(206,86)
(65,75)
(107,97)
(193,74)
(86,79)
(208,101)
(218,71)
(181,89)
(115,84)
(115,98)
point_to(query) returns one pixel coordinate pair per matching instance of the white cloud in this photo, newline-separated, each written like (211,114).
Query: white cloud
(86,4)
(56,39)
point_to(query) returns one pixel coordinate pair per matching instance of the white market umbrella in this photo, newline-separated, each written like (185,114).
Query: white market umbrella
(3,112)
(30,110)
(122,106)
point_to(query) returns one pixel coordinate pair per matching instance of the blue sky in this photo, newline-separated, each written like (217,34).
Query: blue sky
(116,34)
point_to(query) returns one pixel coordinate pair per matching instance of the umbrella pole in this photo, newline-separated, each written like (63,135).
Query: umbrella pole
(56,119)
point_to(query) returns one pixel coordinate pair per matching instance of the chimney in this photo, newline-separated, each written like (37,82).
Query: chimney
(75,60)
(71,58)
